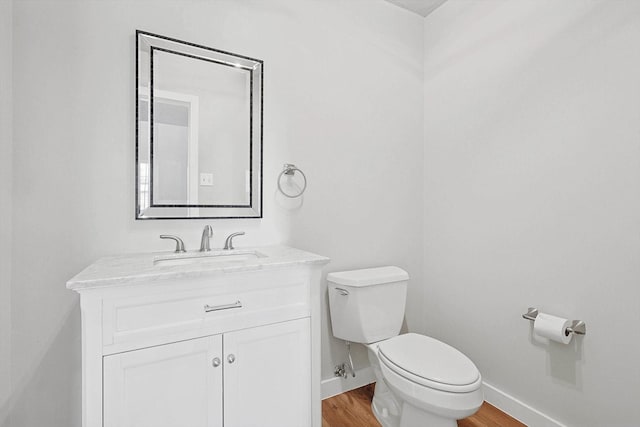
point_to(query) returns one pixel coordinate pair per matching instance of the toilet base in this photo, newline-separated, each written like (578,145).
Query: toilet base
(415,417)
(385,407)
(387,411)
(384,418)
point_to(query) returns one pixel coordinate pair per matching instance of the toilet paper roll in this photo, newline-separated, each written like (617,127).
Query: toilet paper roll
(552,327)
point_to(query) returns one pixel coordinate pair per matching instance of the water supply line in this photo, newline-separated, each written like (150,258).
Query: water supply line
(353,371)
(341,369)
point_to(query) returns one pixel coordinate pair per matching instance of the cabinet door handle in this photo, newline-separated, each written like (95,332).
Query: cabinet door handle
(209,308)
(231,358)
(216,362)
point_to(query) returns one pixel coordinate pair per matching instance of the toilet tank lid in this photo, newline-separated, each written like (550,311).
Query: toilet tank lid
(368,276)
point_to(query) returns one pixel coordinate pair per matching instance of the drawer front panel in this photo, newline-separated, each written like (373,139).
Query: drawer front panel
(166,317)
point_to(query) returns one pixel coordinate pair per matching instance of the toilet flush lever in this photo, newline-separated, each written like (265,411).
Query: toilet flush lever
(342,292)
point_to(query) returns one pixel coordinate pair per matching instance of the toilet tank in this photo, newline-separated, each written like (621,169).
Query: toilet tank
(367,305)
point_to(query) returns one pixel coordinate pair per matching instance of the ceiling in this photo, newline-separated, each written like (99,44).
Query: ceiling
(421,7)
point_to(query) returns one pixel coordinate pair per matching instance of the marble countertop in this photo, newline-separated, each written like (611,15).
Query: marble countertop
(137,268)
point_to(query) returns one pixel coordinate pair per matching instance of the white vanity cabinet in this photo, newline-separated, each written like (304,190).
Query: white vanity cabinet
(202,346)
(269,382)
(165,386)
(265,373)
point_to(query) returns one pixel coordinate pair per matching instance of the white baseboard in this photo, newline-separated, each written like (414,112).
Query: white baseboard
(518,409)
(336,385)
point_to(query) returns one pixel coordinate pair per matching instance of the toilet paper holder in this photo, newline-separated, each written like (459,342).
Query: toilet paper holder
(577,327)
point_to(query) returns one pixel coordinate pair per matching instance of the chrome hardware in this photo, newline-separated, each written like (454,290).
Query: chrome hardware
(216,362)
(228,244)
(231,358)
(289,170)
(578,327)
(342,291)
(179,242)
(342,369)
(207,233)
(531,313)
(209,308)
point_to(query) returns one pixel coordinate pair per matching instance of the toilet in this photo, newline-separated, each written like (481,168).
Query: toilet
(420,381)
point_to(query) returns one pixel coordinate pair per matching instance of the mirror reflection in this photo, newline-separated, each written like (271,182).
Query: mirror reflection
(199,131)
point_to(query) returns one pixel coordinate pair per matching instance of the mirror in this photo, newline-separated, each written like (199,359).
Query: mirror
(198,131)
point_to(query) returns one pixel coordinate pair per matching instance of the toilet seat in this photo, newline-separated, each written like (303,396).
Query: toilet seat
(429,362)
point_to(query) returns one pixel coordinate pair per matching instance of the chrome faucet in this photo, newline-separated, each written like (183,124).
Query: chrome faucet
(228,244)
(207,233)
(179,242)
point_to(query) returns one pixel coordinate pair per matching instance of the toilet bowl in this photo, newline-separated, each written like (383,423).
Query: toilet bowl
(431,378)
(420,381)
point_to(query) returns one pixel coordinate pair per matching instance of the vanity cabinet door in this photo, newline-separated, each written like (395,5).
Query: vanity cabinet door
(267,376)
(173,385)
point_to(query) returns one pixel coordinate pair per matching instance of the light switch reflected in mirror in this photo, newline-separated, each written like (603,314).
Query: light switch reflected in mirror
(199,131)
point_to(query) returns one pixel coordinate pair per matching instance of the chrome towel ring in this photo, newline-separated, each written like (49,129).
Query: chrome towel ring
(289,170)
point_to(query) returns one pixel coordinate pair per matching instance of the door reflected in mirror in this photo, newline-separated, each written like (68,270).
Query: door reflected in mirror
(199,131)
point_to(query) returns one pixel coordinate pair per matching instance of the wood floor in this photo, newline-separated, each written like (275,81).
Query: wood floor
(353,409)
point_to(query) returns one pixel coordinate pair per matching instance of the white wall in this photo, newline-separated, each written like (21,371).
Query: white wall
(5,204)
(343,84)
(532,196)
(355,129)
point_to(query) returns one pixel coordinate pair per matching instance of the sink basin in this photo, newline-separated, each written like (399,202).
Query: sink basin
(208,258)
